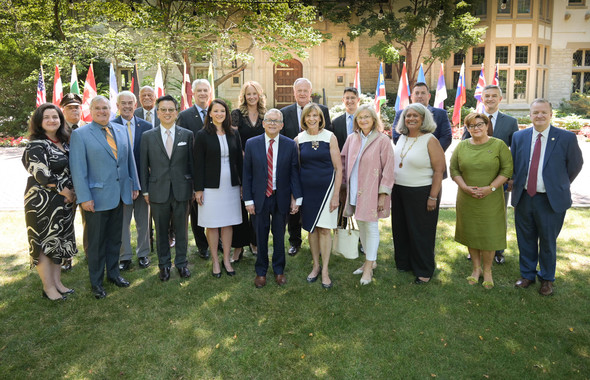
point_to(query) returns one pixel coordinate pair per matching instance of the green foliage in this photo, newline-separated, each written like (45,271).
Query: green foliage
(578,104)
(571,122)
(524,120)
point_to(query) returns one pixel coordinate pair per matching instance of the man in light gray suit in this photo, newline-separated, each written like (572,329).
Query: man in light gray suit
(105,178)
(166,164)
(147,111)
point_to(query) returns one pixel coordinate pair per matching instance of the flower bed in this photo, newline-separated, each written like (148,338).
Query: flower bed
(13,142)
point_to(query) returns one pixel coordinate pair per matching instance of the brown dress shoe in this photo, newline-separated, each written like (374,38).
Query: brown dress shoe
(546,288)
(260,281)
(280,279)
(523,283)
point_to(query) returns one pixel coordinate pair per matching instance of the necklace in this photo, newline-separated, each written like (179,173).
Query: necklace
(52,140)
(402,154)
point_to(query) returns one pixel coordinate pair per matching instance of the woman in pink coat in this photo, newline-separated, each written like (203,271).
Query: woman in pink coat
(367,158)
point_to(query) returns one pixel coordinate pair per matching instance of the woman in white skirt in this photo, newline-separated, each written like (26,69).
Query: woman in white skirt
(218,177)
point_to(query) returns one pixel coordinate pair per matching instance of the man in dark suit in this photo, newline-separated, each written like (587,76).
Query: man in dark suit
(546,161)
(105,178)
(135,127)
(270,184)
(504,127)
(292,127)
(444,134)
(147,111)
(343,124)
(166,163)
(192,119)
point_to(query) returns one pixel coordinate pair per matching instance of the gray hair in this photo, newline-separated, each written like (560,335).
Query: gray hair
(428,124)
(543,101)
(200,81)
(371,110)
(274,110)
(126,93)
(98,98)
(146,88)
(492,87)
(301,80)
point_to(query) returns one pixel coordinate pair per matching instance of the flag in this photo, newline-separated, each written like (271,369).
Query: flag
(403,91)
(380,96)
(186,97)
(421,77)
(496,80)
(74,89)
(113,91)
(441,90)
(159,83)
(89,93)
(134,88)
(58,90)
(211,80)
(357,78)
(41,95)
(461,98)
(481,83)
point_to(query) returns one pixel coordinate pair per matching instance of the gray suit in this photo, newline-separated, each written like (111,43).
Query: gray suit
(155,121)
(169,183)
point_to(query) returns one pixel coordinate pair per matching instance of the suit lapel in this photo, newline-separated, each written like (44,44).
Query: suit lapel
(160,142)
(552,139)
(96,130)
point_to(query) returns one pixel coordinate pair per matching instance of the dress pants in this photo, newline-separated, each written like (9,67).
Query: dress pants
(243,234)
(139,209)
(104,242)
(537,228)
(414,229)
(506,195)
(198,232)
(162,212)
(295,229)
(369,235)
(270,219)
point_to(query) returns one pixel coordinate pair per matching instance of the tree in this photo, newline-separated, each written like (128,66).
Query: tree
(407,27)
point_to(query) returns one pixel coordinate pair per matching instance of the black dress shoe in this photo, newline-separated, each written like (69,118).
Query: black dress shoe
(62,298)
(67,265)
(184,272)
(293,250)
(164,274)
(124,265)
(417,281)
(204,253)
(98,292)
(119,281)
(144,262)
(232,273)
(69,291)
(216,275)
(499,258)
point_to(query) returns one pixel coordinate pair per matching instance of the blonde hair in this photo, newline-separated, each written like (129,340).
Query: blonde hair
(243,105)
(307,110)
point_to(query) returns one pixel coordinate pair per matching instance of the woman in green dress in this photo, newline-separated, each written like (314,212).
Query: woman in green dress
(480,166)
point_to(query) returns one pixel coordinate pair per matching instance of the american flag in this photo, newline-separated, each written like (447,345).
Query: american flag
(41,94)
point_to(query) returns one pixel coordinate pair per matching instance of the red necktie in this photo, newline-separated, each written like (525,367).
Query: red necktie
(269,156)
(534,168)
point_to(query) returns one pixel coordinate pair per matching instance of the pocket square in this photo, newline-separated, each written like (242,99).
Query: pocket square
(182,143)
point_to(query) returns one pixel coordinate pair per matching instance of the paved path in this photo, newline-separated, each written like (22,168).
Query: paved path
(14,179)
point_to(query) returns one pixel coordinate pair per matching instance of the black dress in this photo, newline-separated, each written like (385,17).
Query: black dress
(50,221)
(244,233)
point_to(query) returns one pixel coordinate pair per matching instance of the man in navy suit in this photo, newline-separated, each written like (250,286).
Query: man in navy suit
(147,111)
(444,134)
(292,127)
(343,124)
(105,178)
(135,126)
(271,190)
(546,161)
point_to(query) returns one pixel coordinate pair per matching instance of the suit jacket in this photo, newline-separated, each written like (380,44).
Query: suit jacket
(505,127)
(207,156)
(291,122)
(139,113)
(96,174)
(159,173)
(141,126)
(340,130)
(443,131)
(255,173)
(561,164)
(191,120)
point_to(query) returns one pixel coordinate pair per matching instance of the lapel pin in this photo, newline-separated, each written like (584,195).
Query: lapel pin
(552,138)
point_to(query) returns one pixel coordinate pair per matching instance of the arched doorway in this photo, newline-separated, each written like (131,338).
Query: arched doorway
(284,76)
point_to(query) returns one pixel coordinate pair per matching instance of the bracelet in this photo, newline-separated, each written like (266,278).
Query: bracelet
(432,198)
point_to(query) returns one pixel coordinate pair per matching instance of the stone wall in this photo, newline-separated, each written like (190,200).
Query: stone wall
(559,85)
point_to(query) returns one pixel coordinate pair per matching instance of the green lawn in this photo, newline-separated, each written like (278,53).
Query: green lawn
(226,329)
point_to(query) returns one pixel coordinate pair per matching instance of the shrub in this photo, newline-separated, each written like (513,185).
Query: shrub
(578,104)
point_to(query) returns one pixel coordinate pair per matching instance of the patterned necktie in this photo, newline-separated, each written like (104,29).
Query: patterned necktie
(130,133)
(148,116)
(531,187)
(169,143)
(349,125)
(111,141)
(491,127)
(203,114)
(269,156)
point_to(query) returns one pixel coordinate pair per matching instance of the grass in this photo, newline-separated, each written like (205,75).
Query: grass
(226,329)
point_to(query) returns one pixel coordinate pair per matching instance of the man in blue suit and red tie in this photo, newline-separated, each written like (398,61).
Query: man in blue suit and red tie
(271,190)
(546,161)
(105,178)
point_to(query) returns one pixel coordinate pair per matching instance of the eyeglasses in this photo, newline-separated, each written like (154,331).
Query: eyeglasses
(479,125)
(166,110)
(366,117)
(273,121)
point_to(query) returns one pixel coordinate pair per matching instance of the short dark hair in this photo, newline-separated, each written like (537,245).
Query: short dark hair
(209,127)
(36,131)
(354,90)
(168,98)
(421,84)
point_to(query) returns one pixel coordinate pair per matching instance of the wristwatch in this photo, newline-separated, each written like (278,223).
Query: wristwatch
(493,188)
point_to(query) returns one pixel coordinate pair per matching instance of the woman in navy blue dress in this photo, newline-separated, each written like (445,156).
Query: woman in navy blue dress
(321,173)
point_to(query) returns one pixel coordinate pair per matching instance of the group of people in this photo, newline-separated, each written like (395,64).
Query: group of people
(240,175)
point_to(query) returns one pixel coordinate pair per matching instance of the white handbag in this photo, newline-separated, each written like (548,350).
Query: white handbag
(346,241)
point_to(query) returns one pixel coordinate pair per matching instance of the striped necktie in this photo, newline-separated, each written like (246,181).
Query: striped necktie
(130,133)
(111,141)
(269,159)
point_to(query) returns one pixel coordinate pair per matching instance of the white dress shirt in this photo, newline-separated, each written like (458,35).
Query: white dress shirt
(540,182)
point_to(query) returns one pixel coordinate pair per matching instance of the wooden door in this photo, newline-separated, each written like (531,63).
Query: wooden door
(283,80)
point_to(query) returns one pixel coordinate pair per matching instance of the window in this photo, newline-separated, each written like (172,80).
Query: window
(481,8)
(504,7)
(502,54)
(520,84)
(388,71)
(458,58)
(521,54)
(474,78)
(524,7)
(502,75)
(538,55)
(575,2)
(455,79)
(545,56)
(477,55)
(578,58)
(581,73)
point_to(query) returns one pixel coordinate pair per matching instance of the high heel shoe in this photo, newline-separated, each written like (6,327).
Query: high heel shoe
(232,260)
(361,269)
(69,291)
(232,273)
(62,298)
(216,275)
(488,284)
(472,280)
